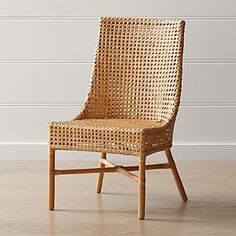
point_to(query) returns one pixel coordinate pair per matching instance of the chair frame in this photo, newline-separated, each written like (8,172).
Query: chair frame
(107,166)
(166,115)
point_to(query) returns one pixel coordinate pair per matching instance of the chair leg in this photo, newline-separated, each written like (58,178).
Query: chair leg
(51,179)
(100,175)
(141,188)
(176,175)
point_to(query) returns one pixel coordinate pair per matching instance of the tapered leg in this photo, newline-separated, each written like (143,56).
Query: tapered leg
(141,188)
(100,175)
(51,179)
(176,175)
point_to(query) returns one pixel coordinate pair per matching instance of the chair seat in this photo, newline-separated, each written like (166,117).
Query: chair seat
(106,135)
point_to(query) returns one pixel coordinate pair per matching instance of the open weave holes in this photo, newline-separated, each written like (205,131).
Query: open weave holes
(135,90)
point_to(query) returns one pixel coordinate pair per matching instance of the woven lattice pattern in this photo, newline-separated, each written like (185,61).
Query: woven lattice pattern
(135,90)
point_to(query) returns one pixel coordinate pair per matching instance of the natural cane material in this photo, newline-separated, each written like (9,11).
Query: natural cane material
(133,98)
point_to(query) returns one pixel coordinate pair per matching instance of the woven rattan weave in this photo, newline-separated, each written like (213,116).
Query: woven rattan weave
(133,98)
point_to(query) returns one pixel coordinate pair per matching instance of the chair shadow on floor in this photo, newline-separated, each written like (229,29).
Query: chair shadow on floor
(179,216)
(191,211)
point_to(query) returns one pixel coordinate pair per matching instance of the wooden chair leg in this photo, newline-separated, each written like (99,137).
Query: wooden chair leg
(51,179)
(176,175)
(100,175)
(141,188)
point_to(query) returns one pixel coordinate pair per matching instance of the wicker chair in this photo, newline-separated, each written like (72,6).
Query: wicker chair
(132,103)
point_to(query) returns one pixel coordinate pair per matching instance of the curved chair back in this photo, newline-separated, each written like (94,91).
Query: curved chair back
(138,70)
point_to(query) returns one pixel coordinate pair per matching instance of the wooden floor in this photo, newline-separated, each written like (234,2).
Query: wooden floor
(211,210)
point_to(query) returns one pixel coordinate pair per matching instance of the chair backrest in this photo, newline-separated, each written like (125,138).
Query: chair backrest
(138,70)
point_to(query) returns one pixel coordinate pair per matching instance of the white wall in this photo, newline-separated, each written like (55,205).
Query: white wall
(46,53)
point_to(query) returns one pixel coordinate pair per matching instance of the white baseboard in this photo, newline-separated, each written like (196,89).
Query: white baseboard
(38,151)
